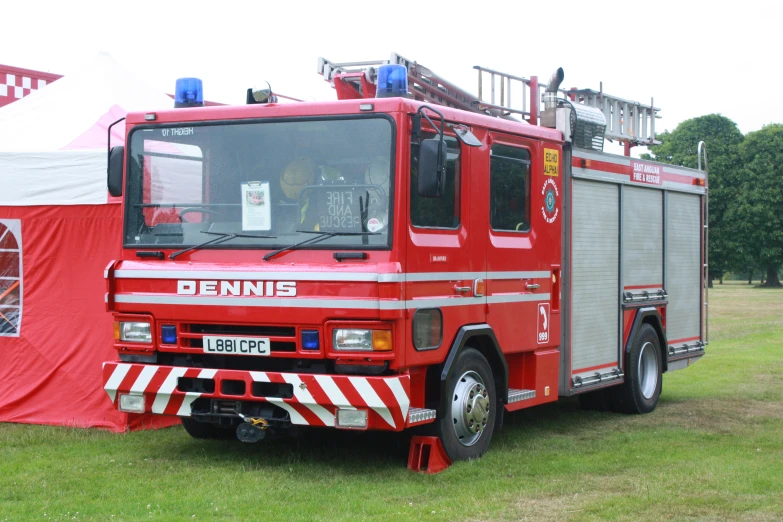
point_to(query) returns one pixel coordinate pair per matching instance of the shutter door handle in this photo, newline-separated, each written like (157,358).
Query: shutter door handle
(532,286)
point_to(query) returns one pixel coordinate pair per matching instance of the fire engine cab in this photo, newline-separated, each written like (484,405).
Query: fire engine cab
(408,255)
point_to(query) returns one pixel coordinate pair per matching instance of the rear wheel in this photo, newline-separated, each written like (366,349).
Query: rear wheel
(643,382)
(466,428)
(206,430)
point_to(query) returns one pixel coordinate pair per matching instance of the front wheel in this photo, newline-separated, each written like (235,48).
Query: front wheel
(466,427)
(642,387)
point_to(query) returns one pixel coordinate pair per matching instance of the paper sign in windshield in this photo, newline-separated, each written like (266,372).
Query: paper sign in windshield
(256,208)
(340,209)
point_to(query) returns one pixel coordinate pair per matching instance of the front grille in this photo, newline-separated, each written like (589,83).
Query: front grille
(281,338)
(237,329)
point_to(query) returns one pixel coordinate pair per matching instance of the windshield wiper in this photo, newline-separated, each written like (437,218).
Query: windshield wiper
(311,241)
(223,237)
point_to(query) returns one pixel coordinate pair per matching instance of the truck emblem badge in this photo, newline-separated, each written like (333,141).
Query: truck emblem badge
(549,210)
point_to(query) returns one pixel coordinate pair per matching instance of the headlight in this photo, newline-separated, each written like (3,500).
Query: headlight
(135,332)
(361,340)
(353,339)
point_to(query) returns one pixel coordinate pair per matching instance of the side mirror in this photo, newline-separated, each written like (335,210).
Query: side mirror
(114,179)
(432,168)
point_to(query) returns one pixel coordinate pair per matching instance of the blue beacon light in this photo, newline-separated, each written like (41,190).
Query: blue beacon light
(310,340)
(168,334)
(392,81)
(189,92)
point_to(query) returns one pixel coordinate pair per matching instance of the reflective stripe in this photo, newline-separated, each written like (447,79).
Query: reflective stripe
(243,276)
(331,390)
(304,397)
(348,304)
(143,379)
(444,302)
(296,417)
(164,393)
(259,377)
(452,276)
(115,380)
(371,398)
(516,298)
(287,302)
(627,162)
(370,277)
(400,395)
(367,392)
(519,275)
(184,408)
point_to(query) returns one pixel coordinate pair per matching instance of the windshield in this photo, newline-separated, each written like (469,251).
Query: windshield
(271,183)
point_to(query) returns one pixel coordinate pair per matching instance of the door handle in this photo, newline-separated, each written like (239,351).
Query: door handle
(462,289)
(532,286)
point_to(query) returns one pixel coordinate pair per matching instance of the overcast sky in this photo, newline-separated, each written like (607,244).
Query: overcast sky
(694,58)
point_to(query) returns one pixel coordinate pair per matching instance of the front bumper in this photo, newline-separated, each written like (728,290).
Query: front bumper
(313,401)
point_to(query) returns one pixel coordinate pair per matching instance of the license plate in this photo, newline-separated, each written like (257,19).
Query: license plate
(236,345)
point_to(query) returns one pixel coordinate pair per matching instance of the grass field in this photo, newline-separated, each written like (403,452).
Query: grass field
(713,450)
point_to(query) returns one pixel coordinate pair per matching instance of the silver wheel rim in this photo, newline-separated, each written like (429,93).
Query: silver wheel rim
(648,370)
(470,407)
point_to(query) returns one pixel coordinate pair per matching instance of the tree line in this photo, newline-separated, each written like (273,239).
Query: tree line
(745,192)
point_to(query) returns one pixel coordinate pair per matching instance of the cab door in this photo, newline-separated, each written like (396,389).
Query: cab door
(443,263)
(523,243)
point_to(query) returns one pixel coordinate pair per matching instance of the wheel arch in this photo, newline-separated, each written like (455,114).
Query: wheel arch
(651,316)
(482,338)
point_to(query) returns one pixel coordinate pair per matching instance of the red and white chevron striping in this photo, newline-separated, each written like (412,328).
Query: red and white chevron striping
(315,401)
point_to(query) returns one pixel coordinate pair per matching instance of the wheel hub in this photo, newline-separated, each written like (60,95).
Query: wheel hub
(648,370)
(470,408)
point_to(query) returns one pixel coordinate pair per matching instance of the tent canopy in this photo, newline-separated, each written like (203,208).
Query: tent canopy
(71,112)
(53,142)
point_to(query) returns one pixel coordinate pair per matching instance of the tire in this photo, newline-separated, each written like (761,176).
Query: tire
(643,376)
(466,427)
(205,430)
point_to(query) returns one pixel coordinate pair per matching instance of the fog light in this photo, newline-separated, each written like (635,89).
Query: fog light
(168,333)
(351,418)
(132,403)
(310,340)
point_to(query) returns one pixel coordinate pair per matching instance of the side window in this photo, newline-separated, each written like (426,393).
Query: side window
(442,212)
(509,188)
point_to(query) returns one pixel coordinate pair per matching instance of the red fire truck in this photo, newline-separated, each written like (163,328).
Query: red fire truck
(409,255)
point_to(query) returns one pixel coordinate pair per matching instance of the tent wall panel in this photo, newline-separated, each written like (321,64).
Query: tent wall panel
(51,372)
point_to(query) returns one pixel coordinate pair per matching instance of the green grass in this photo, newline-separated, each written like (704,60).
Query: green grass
(713,450)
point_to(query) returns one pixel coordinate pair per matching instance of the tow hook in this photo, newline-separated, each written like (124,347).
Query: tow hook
(252,430)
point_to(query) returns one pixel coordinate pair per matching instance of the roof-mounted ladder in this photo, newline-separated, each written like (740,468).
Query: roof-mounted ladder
(626,121)
(357,80)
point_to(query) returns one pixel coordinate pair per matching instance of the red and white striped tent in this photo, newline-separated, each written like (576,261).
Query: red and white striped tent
(58,231)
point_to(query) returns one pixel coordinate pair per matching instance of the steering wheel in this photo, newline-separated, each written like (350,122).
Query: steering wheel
(203,210)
